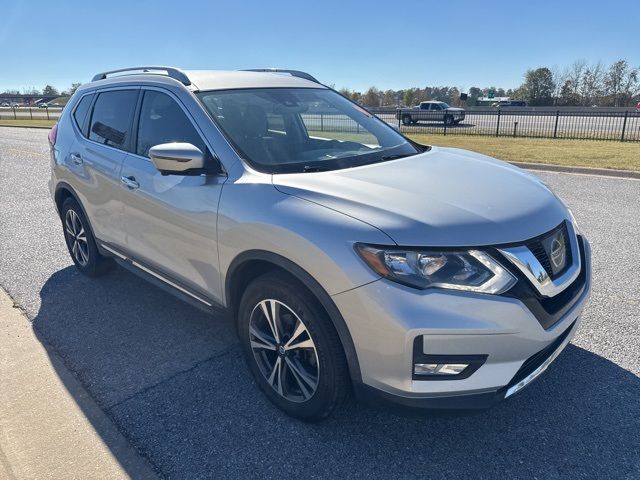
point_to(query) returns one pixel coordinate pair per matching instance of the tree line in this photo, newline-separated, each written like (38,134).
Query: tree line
(48,90)
(579,84)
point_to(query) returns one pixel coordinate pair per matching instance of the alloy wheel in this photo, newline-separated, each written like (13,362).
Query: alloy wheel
(77,237)
(284,350)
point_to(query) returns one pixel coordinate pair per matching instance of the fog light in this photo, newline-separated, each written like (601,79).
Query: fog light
(439,368)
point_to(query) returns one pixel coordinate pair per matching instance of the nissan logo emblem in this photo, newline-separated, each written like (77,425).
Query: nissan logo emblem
(557,253)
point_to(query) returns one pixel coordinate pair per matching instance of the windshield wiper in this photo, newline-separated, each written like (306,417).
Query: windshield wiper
(395,157)
(314,168)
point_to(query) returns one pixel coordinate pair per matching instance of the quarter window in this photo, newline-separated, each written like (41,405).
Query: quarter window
(81,110)
(163,121)
(111,119)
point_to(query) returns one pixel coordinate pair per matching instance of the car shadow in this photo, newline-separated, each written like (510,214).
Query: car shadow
(173,380)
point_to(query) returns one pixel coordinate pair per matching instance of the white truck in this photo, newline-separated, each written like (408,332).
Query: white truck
(431,111)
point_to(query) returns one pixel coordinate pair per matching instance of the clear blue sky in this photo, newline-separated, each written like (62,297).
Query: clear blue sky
(389,44)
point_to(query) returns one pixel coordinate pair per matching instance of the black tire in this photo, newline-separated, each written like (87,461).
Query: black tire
(406,119)
(296,305)
(448,120)
(457,121)
(85,254)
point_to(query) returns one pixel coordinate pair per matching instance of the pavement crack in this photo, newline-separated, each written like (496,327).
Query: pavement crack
(109,408)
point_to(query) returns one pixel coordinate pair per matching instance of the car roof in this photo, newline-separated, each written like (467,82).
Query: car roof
(225,79)
(202,80)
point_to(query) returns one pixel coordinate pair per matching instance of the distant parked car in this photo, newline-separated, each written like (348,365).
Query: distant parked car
(431,111)
(510,103)
(5,104)
(14,105)
(43,105)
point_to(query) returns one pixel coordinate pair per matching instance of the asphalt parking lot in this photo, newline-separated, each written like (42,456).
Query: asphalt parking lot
(173,381)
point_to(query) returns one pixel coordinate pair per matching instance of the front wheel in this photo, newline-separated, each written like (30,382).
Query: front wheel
(291,347)
(448,120)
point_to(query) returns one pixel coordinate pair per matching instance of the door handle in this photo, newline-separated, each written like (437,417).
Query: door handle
(76,159)
(130,182)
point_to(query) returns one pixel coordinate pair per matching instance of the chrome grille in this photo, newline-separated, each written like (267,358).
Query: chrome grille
(537,248)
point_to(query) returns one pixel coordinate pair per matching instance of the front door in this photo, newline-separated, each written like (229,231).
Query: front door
(170,220)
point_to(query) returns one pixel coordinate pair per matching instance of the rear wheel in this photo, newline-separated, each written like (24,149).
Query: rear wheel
(80,241)
(291,347)
(406,119)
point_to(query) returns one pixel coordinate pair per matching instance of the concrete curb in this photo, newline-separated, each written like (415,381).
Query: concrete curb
(50,427)
(607,172)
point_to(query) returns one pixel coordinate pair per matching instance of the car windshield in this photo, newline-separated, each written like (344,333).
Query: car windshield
(285,130)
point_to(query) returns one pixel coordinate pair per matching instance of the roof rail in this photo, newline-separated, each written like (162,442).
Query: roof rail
(171,72)
(293,73)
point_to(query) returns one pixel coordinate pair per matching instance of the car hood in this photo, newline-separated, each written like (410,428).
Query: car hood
(455,109)
(443,197)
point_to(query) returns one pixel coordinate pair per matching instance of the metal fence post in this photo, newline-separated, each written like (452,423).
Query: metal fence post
(498,124)
(515,128)
(445,126)
(399,121)
(31,113)
(624,125)
(321,122)
(47,109)
(555,128)
(14,113)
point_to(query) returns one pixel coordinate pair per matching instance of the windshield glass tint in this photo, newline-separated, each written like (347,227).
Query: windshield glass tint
(282,130)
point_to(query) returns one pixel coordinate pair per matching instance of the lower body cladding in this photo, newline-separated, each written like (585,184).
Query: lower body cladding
(447,349)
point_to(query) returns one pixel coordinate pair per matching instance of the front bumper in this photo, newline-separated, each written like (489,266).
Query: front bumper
(385,319)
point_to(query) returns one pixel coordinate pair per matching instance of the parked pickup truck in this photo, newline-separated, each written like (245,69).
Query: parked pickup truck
(432,112)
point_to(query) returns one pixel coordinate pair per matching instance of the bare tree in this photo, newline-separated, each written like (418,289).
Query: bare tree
(574,77)
(590,87)
(560,76)
(621,83)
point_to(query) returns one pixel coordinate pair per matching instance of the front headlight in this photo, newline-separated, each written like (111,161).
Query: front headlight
(469,270)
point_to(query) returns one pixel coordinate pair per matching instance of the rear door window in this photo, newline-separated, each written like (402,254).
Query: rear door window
(112,116)
(163,121)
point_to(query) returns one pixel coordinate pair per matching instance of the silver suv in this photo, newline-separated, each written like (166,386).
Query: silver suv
(351,257)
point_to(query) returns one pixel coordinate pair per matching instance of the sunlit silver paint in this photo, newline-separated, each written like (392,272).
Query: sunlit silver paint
(191,228)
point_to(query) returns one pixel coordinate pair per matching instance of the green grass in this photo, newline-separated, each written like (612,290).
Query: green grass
(582,153)
(27,123)
(577,153)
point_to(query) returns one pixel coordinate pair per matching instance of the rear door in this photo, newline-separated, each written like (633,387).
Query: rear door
(170,220)
(96,158)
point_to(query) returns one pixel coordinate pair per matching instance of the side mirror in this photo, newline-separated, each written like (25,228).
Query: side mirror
(176,158)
